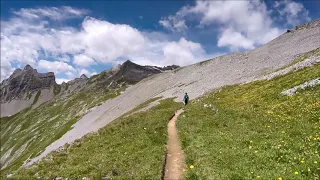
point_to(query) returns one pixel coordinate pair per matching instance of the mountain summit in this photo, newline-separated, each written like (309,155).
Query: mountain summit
(83,76)
(25,81)
(19,90)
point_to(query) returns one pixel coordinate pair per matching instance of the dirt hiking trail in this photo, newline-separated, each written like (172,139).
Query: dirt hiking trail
(175,157)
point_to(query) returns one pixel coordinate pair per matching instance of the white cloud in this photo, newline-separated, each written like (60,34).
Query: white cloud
(294,12)
(70,75)
(182,52)
(105,41)
(234,40)
(83,60)
(37,42)
(55,66)
(173,23)
(242,24)
(6,69)
(64,58)
(54,13)
(32,34)
(61,80)
(20,48)
(86,72)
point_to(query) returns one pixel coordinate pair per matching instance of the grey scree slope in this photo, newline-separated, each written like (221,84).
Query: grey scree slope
(196,80)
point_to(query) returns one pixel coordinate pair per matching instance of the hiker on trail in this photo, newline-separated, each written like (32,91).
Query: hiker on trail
(185,99)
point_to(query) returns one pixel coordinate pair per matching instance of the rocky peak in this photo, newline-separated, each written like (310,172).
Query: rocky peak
(17,71)
(83,76)
(131,72)
(128,62)
(25,81)
(28,68)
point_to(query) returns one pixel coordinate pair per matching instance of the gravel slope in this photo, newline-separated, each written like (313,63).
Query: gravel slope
(198,79)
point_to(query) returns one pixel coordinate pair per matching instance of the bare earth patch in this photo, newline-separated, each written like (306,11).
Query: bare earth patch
(175,157)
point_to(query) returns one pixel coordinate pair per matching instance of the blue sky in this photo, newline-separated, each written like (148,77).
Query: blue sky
(75,37)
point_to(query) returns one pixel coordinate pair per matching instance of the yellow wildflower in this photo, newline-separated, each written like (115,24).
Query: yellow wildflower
(258,177)
(279,178)
(316,162)
(296,173)
(250,147)
(191,166)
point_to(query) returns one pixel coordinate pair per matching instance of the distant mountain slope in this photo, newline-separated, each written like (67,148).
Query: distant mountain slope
(27,87)
(128,73)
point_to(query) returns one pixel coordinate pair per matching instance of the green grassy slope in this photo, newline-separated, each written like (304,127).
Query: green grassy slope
(129,147)
(252,131)
(28,132)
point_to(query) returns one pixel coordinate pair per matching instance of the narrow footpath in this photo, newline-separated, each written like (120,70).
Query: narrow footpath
(175,157)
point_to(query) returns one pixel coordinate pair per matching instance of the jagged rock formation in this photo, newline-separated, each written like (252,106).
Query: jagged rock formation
(128,73)
(25,81)
(74,85)
(83,76)
(132,72)
(23,89)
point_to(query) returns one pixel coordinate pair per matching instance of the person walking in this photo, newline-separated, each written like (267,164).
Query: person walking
(185,99)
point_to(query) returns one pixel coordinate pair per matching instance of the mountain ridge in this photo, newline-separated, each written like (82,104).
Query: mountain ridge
(23,85)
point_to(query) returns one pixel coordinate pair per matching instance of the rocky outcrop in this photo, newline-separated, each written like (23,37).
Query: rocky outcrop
(292,91)
(83,76)
(312,24)
(127,73)
(73,85)
(20,89)
(23,82)
(132,72)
